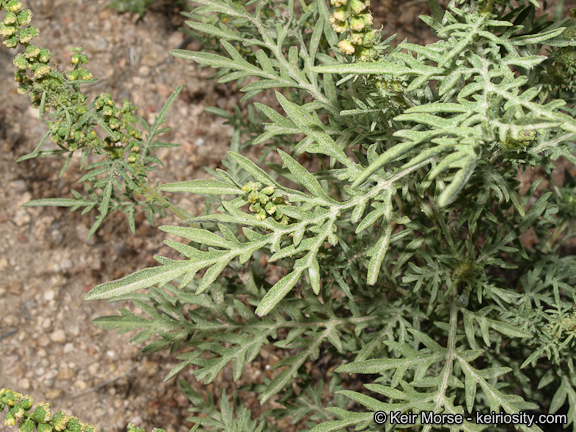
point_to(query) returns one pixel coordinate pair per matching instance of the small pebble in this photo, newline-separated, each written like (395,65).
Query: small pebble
(81,385)
(54,394)
(24,384)
(21,217)
(15,287)
(65,264)
(58,336)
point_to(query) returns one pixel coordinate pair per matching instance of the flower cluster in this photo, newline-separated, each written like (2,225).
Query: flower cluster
(120,121)
(15,31)
(563,71)
(40,419)
(50,91)
(521,141)
(354,18)
(77,60)
(12,27)
(264,202)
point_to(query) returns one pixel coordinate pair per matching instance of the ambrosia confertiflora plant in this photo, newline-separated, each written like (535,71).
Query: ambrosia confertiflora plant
(398,234)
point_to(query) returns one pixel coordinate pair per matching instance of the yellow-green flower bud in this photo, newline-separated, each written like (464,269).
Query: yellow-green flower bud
(10,18)
(22,90)
(19,76)
(255,208)
(42,70)
(132,428)
(261,215)
(60,420)
(346,47)
(356,39)
(14,5)
(339,26)
(27,426)
(10,397)
(20,61)
(27,402)
(61,130)
(17,411)
(44,427)
(87,75)
(368,19)
(263,198)
(339,14)
(74,425)
(278,200)
(9,420)
(25,17)
(369,39)
(357,24)
(7,30)
(75,59)
(114,123)
(270,208)
(72,76)
(337,3)
(44,55)
(268,190)
(27,34)
(32,51)
(253,197)
(358,6)
(11,42)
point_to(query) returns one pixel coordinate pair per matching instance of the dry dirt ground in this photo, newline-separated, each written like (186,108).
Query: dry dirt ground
(48,345)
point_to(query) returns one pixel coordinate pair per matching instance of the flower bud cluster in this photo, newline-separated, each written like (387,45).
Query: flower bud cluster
(264,202)
(353,18)
(563,71)
(49,88)
(521,141)
(12,27)
(15,31)
(120,121)
(40,419)
(77,60)
(133,428)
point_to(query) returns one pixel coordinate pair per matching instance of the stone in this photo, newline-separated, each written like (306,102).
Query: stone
(58,336)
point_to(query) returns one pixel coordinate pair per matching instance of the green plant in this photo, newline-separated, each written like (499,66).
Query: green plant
(398,235)
(141,6)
